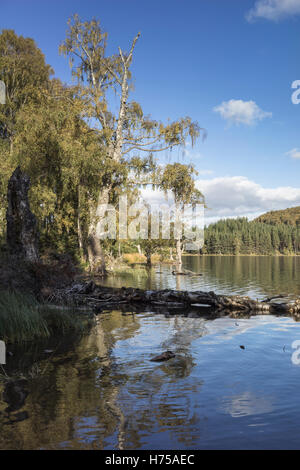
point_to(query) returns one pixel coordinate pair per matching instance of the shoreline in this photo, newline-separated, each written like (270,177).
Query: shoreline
(278,255)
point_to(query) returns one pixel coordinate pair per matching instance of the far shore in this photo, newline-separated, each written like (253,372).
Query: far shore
(241,254)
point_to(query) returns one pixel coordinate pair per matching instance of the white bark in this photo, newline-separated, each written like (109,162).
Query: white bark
(116,152)
(118,146)
(178,253)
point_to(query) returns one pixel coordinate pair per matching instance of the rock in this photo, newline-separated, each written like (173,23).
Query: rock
(22,234)
(165,356)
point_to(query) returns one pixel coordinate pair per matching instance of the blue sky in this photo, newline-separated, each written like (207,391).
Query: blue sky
(229,64)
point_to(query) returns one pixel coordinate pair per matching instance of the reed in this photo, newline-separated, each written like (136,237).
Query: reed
(22,318)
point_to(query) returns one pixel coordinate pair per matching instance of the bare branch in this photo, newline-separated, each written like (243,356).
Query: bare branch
(114,74)
(137,147)
(89,59)
(147,144)
(132,48)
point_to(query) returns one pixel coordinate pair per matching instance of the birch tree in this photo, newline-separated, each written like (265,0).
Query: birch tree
(178,179)
(128,131)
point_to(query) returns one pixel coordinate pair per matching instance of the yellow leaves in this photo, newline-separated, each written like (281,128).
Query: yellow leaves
(135,108)
(42,200)
(178,132)
(178,178)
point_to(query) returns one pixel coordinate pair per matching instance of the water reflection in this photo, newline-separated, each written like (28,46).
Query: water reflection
(256,276)
(247,404)
(88,396)
(103,391)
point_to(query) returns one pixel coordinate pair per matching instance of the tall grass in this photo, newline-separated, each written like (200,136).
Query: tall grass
(23,319)
(20,319)
(134,258)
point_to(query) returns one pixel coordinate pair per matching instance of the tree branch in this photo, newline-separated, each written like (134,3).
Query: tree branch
(136,147)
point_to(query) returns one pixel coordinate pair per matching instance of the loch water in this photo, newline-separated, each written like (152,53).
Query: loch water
(102,391)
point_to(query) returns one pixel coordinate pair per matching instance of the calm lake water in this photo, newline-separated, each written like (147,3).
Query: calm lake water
(103,392)
(256,276)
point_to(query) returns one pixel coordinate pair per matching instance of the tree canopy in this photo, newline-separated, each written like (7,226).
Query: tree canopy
(77,150)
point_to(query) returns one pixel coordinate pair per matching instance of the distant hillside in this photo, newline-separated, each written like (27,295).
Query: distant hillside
(241,237)
(288,216)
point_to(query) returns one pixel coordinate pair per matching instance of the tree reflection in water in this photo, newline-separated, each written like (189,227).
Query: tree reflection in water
(93,395)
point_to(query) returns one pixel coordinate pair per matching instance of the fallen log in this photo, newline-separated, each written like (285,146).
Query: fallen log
(90,294)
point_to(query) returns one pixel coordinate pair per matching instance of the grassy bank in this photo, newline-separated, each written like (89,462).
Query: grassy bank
(22,318)
(136,258)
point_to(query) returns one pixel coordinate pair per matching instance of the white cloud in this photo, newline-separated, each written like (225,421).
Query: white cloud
(156,197)
(237,196)
(294,153)
(241,112)
(273,10)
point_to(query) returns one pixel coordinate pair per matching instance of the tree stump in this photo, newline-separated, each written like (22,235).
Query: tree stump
(21,235)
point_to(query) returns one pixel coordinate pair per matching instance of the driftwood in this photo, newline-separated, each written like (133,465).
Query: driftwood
(99,297)
(186,273)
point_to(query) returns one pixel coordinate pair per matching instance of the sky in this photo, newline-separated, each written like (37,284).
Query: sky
(228,64)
